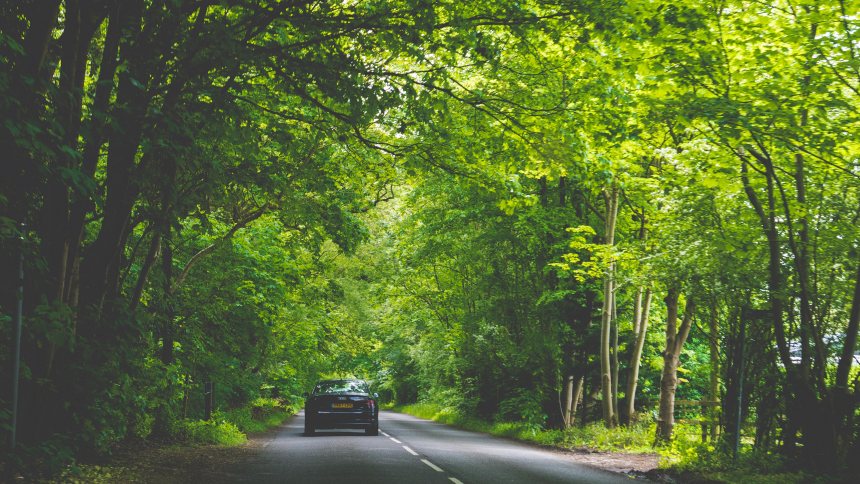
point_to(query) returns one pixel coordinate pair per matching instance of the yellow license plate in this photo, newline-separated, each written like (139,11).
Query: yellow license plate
(341,405)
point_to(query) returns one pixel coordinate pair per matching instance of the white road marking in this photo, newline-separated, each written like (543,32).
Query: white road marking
(395,440)
(432,465)
(455,480)
(410,450)
(383,433)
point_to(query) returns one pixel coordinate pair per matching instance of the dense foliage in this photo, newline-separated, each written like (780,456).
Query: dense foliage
(544,212)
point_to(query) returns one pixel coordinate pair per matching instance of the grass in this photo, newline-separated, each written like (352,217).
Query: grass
(636,439)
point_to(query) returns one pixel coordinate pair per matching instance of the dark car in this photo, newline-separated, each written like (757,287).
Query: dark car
(336,404)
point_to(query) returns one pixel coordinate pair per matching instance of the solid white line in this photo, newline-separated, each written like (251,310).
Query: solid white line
(395,440)
(455,480)
(410,450)
(383,433)
(432,465)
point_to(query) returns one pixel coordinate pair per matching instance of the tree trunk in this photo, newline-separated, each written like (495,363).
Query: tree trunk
(97,126)
(148,261)
(640,330)
(714,390)
(844,401)
(577,398)
(169,311)
(734,374)
(615,365)
(675,338)
(775,294)
(101,263)
(161,426)
(573,394)
(610,418)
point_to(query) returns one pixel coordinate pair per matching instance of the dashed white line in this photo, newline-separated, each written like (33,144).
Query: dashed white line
(432,465)
(383,433)
(429,464)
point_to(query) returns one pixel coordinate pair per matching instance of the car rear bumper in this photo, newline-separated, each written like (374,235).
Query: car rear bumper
(330,420)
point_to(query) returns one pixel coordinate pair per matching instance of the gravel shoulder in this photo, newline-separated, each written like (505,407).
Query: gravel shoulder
(615,461)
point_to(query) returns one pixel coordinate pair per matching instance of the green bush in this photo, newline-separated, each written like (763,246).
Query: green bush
(142,425)
(261,414)
(37,461)
(216,431)
(525,407)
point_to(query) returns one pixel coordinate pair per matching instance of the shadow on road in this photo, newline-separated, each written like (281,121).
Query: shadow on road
(339,433)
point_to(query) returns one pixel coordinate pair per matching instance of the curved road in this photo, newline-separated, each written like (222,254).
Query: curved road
(411,450)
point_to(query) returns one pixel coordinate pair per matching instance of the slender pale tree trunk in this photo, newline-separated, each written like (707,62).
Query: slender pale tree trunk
(573,394)
(610,416)
(640,329)
(578,392)
(568,401)
(614,360)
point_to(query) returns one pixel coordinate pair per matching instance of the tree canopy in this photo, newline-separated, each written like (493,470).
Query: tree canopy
(540,211)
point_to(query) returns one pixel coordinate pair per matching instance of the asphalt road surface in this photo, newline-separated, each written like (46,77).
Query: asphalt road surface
(411,450)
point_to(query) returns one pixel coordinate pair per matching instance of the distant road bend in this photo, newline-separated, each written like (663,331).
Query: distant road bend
(410,450)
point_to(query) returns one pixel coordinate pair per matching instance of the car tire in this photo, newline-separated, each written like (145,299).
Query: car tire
(309,427)
(372,430)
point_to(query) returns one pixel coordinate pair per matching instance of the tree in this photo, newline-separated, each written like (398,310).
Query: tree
(676,336)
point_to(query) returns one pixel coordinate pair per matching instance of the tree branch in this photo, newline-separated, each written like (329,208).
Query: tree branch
(214,245)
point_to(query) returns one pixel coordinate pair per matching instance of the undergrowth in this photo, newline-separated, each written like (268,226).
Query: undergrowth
(216,431)
(226,428)
(260,415)
(229,427)
(636,439)
(686,453)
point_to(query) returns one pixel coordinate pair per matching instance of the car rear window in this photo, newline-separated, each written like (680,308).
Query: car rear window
(341,386)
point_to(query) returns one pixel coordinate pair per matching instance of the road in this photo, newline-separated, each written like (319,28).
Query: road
(410,450)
